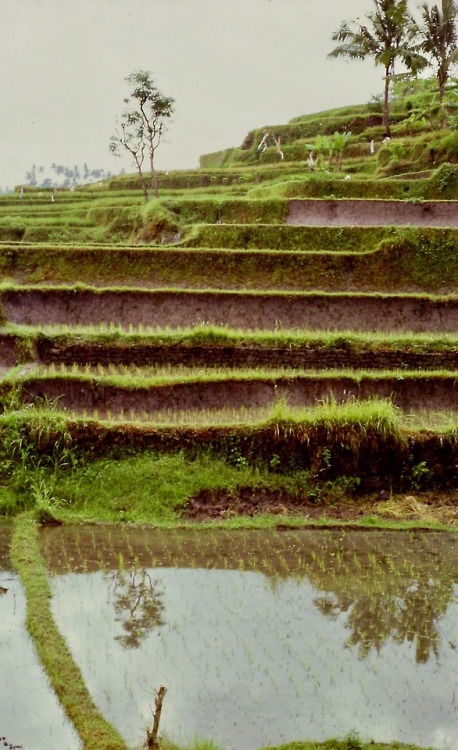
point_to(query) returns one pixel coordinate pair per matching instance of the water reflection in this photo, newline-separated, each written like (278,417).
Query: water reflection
(399,593)
(137,604)
(411,615)
(264,638)
(389,585)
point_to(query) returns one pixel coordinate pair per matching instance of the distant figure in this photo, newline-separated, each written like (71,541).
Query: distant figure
(277,142)
(52,198)
(311,161)
(386,139)
(347,176)
(372,147)
(263,145)
(21,193)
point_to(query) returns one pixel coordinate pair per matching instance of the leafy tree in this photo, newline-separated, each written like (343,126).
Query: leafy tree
(340,141)
(439,37)
(330,147)
(322,147)
(142,125)
(389,37)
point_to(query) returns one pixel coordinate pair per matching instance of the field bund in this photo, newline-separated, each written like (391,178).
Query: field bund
(244,310)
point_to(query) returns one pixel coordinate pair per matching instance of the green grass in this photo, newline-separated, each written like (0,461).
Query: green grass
(53,464)
(131,376)
(352,742)
(47,466)
(290,238)
(212,335)
(7,286)
(148,488)
(393,259)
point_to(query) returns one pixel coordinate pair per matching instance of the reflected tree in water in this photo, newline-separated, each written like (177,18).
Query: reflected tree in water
(137,604)
(387,599)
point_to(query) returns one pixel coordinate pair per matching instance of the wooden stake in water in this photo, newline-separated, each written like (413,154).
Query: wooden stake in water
(151,734)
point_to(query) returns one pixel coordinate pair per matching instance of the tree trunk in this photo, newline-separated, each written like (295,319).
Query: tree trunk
(386,102)
(144,187)
(143,182)
(154,183)
(442,81)
(154,180)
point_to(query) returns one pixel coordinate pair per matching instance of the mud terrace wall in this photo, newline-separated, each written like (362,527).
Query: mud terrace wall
(360,213)
(49,351)
(237,310)
(436,393)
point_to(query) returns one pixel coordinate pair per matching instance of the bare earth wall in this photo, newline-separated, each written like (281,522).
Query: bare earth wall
(235,310)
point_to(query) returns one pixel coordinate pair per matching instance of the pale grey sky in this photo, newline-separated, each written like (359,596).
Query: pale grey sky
(231,65)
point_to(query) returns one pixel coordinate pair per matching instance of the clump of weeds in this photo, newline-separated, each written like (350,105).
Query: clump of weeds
(35,446)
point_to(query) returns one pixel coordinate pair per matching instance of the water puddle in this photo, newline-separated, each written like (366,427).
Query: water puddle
(30,715)
(264,637)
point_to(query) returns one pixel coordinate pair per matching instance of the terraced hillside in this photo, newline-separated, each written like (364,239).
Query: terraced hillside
(241,297)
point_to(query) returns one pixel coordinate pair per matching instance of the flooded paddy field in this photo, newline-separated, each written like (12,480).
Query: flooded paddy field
(30,715)
(263,637)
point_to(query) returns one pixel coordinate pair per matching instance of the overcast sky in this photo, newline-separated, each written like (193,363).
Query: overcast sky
(230,65)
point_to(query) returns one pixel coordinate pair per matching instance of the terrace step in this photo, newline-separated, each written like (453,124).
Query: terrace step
(320,236)
(372,213)
(394,268)
(84,306)
(120,350)
(413,393)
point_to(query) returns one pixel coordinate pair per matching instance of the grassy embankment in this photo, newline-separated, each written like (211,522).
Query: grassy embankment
(238,200)
(84,470)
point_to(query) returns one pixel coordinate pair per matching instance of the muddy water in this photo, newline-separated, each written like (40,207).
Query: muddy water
(30,715)
(264,637)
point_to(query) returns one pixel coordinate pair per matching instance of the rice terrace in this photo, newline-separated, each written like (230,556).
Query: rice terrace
(229,444)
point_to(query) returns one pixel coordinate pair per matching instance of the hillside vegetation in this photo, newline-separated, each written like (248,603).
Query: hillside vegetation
(292,318)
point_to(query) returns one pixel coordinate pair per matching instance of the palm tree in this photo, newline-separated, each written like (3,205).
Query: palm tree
(389,36)
(438,40)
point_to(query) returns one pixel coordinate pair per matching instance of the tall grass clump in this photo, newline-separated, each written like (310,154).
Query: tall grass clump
(378,415)
(35,446)
(155,222)
(336,448)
